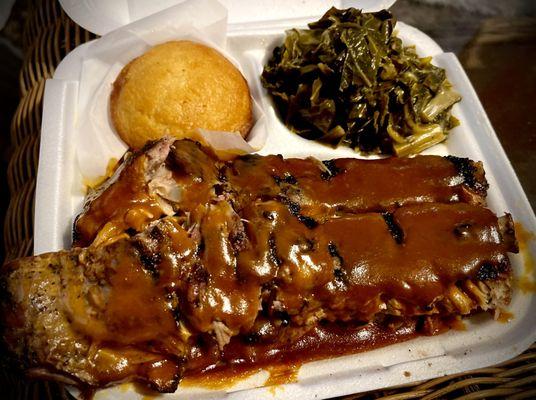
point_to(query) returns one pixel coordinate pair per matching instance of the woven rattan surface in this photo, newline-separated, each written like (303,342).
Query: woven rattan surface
(49,35)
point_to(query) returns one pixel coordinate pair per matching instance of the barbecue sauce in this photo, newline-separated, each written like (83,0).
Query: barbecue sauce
(125,204)
(130,203)
(527,280)
(352,185)
(283,360)
(240,360)
(296,243)
(440,245)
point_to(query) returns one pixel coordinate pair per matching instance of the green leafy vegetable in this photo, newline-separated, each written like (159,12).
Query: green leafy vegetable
(348,80)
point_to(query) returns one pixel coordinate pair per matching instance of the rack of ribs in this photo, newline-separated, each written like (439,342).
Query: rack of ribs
(170,177)
(180,248)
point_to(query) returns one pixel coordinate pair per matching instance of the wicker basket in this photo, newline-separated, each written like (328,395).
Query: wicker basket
(49,35)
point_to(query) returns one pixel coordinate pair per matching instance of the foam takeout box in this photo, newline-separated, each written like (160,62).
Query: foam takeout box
(246,31)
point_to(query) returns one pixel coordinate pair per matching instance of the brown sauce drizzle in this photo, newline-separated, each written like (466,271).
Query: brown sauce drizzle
(505,316)
(352,185)
(526,281)
(457,324)
(306,233)
(92,183)
(283,361)
(137,306)
(126,204)
(219,380)
(282,374)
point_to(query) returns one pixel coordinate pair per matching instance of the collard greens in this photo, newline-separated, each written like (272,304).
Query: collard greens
(349,80)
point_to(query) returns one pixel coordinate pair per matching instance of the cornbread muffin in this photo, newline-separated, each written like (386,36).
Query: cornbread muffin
(175,88)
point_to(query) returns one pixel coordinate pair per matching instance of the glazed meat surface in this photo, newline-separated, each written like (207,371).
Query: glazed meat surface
(187,253)
(147,186)
(353,186)
(169,178)
(94,316)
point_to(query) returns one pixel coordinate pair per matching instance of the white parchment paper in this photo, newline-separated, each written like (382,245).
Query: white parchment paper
(96,142)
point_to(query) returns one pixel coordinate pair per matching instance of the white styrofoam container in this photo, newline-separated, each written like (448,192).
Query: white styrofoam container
(485,342)
(103,16)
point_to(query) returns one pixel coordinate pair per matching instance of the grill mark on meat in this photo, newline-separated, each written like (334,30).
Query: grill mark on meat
(394,229)
(238,239)
(156,234)
(339,274)
(292,206)
(197,281)
(222,173)
(222,187)
(467,170)
(272,251)
(507,232)
(149,252)
(309,222)
(287,178)
(334,252)
(219,189)
(338,271)
(174,305)
(295,209)
(282,316)
(150,262)
(310,244)
(200,248)
(332,170)
(491,271)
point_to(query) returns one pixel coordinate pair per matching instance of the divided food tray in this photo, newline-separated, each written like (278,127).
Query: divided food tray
(60,191)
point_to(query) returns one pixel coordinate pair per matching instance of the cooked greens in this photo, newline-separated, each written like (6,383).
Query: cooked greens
(349,80)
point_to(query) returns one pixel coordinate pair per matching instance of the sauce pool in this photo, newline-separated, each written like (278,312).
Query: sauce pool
(526,281)
(240,360)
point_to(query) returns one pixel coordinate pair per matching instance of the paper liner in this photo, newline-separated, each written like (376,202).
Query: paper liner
(96,141)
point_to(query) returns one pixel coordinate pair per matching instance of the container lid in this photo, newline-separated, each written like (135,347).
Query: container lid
(103,16)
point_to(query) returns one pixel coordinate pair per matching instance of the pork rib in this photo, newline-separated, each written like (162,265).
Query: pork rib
(166,178)
(131,310)
(94,315)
